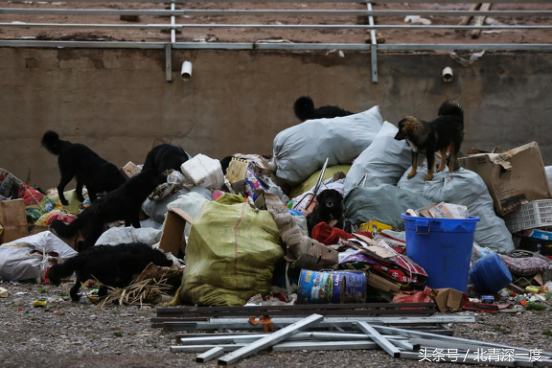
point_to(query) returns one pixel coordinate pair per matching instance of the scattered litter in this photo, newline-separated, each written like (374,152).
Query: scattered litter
(416,19)
(473,57)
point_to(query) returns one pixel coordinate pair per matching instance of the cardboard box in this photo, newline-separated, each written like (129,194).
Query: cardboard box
(449,299)
(13,219)
(173,240)
(513,178)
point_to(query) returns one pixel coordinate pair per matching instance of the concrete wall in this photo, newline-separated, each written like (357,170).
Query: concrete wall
(118,103)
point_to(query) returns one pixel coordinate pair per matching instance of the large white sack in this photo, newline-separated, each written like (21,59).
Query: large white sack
(190,203)
(301,150)
(18,262)
(384,161)
(466,188)
(127,235)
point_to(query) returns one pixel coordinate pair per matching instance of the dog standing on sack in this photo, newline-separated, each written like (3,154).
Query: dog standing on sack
(92,171)
(443,134)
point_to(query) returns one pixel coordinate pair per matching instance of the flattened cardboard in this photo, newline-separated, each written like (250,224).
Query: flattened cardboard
(375,247)
(449,299)
(173,240)
(13,219)
(379,283)
(513,178)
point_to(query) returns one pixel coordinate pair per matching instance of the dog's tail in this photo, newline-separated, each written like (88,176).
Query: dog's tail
(51,141)
(63,270)
(68,230)
(304,108)
(449,108)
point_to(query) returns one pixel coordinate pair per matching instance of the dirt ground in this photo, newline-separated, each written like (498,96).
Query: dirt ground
(253,35)
(75,335)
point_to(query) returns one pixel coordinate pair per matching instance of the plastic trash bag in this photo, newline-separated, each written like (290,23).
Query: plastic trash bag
(384,162)
(466,188)
(127,235)
(302,149)
(384,203)
(27,258)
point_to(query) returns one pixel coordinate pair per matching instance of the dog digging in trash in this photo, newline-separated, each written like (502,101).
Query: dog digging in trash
(329,208)
(444,133)
(304,110)
(92,171)
(124,203)
(112,265)
(166,157)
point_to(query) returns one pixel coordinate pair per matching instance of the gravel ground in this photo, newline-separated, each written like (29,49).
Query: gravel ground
(82,335)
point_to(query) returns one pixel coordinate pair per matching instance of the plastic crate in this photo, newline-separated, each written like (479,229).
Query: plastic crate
(530,215)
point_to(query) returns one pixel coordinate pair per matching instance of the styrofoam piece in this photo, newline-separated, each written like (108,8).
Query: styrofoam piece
(203,171)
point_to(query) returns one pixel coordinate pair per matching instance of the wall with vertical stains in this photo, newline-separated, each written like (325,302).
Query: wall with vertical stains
(118,102)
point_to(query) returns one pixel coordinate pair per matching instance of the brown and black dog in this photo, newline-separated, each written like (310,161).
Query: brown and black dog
(444,133)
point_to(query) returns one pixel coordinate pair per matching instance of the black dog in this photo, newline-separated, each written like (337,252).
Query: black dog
(166,157)
(124,203)
(112,265)
(224,163)
(91,170)
(304,110)
(329,208)
(444,133)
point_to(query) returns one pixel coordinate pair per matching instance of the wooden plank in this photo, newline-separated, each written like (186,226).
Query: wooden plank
(480,20)
(466,19)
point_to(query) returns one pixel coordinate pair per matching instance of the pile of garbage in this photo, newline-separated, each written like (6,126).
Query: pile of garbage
(331,220)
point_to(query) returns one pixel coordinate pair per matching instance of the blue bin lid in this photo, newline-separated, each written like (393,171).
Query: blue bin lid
(439,224)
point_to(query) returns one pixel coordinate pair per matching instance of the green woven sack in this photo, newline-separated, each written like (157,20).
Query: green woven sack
(231,254)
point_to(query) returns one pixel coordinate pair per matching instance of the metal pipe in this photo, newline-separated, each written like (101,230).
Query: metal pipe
(247,338)
(173,22)
(278,26)
(210,355)
(419,334)
(379,339)
(325,345)
(270,340)
(278,12)
(269,46)
(373,48)
(469,318)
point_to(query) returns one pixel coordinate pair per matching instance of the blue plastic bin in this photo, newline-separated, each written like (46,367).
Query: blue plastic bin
(490,274)
(442,247)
